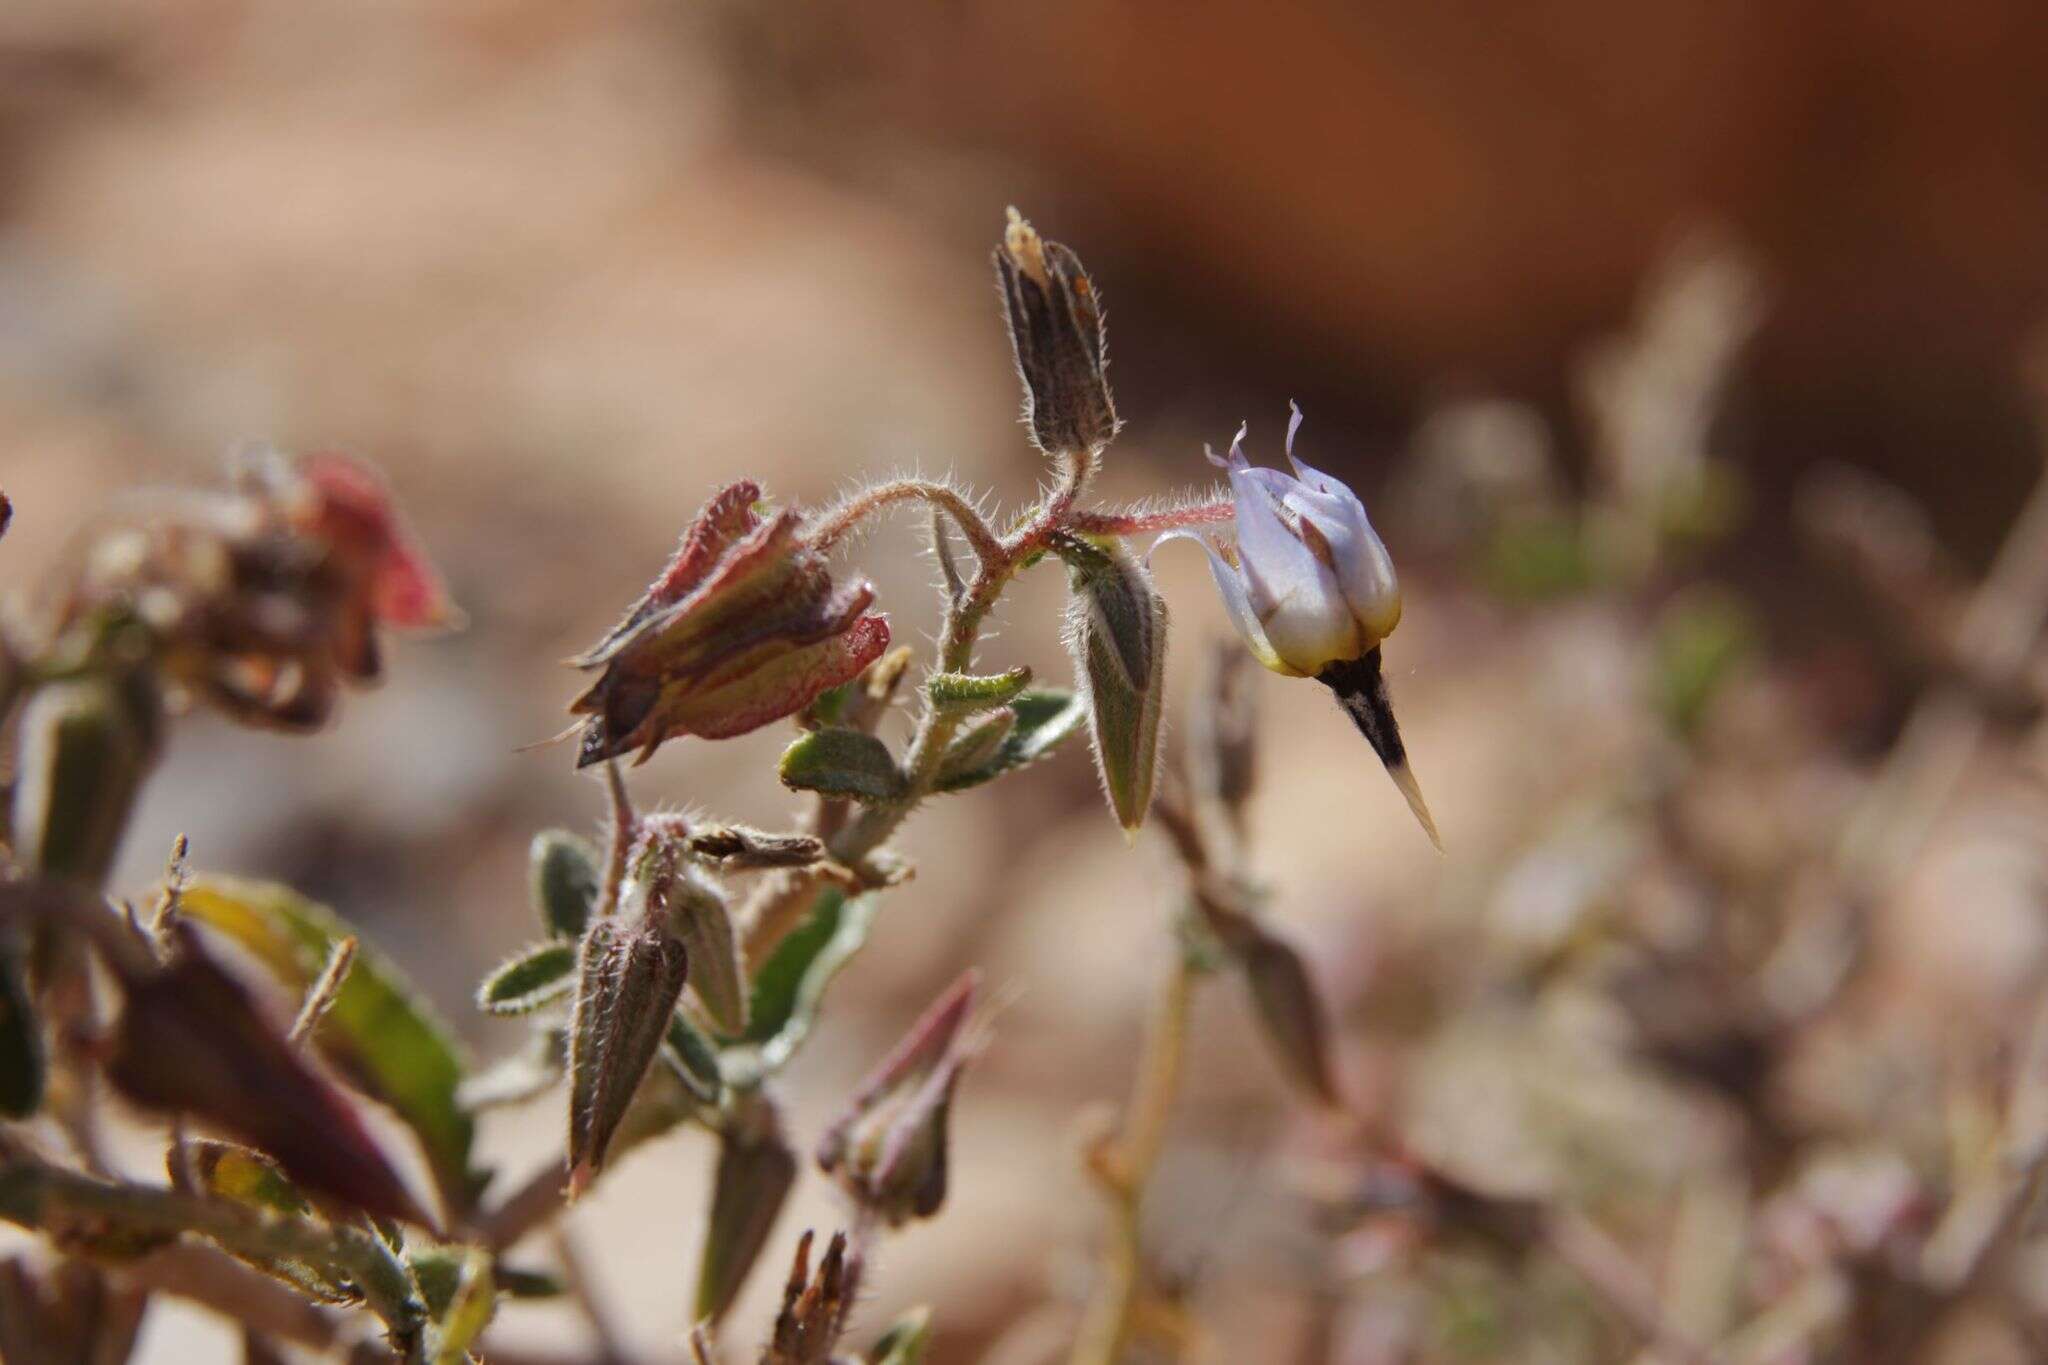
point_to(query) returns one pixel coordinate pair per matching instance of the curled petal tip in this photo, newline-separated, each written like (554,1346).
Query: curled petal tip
(1237,455)
(1214,458)
(1293,425)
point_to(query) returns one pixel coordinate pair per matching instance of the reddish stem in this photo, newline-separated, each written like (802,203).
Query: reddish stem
(1146,523)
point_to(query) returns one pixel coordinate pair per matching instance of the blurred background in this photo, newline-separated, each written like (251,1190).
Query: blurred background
(1597,304)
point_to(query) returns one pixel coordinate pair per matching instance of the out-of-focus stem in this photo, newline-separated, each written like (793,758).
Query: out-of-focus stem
(37,1195)
(1124,1166)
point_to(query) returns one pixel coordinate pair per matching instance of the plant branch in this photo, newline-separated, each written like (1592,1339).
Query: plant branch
(59,1203)
(837,522)
(1140,521)
(1123,1166)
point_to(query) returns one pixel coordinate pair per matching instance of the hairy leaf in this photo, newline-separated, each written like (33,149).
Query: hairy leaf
(1045,717)
(540,975)
(843,763)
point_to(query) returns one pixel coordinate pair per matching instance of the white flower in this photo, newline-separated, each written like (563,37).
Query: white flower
(1308,583)
(1311,588)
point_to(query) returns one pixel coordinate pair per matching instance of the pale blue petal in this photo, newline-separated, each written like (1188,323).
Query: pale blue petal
(1231,588)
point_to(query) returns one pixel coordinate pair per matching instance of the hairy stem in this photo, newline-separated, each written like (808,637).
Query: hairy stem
(1209,512)
(1124,1167)
(961,629)
(836,523)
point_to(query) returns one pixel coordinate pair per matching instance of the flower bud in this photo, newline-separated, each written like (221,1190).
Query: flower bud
(1057,335)
(743,627)
(1116,628)
(889,1148)
(755,1173)
(632,975)
(699,919)
(1290,1011)
(192,1041)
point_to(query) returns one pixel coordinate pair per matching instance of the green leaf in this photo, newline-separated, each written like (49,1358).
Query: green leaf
(251,1179)
(845,763)
(963,693)
(977,745)
(1045,717)
(21,1040)
(693,1058)
(246,1176)
(540,975)
(379,1033)
(791,984)
(1703,638)
(566,876)
(470,1306)
(905,1341)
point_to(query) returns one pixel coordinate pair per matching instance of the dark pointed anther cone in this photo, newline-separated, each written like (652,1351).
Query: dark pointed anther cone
(1361,689)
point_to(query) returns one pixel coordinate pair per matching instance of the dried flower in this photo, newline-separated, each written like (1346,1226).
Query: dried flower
(263,600)
(744,626)
(814,1305)
(1057,335)
(1311,588)
(889,1149)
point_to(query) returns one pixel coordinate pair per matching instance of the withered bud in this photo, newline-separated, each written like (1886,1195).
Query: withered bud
(755,1172)
(814,1305)
(630,978)
(1056,332)
(192,1041)
(748,850)
(744,626)
(1289,1009)
(888,1150)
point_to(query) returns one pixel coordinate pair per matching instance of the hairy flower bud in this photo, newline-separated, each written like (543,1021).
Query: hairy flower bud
(1116,628)
(631,977)
(889,1148)
(1311,589)
(744,626)
(1057,335)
